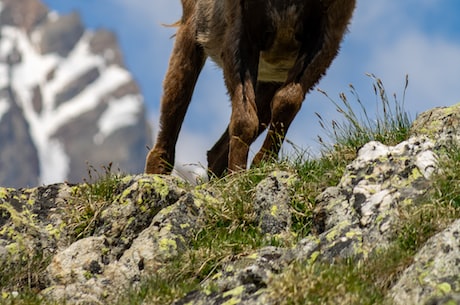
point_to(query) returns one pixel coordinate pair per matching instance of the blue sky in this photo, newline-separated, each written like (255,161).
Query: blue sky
(389,38)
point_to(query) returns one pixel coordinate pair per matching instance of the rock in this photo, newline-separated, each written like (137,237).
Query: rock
(242,281)
(26,14)
(149,223)
(59,35)
(105,44)
(439,124)
(272,203)
(450,299)
(17,146)
(356,217)
(435,271)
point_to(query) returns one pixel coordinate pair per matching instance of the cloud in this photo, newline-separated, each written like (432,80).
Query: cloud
(154,14)
(433,66)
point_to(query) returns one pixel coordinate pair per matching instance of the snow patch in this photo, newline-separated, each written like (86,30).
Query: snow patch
(119,113)
(4,107)
(110,78)
(79,61)
(54,162)
(53,16)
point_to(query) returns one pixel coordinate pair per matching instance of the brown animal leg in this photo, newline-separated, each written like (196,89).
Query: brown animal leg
(286,104)
(243,124)
(186,62)
(218,154)
(315,56)
(240,64)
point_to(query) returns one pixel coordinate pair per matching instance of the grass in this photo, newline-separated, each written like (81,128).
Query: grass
(390,125)
(231,228)
(90,198)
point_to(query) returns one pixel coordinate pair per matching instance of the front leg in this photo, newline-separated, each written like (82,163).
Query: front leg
(240,64)
(186,62)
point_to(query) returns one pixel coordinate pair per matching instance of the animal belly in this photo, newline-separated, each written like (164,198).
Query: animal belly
(274,71)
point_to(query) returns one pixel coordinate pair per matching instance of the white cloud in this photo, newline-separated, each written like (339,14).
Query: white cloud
(433,66)
(160,12)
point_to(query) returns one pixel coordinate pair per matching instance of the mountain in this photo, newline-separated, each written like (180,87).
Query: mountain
(66,99)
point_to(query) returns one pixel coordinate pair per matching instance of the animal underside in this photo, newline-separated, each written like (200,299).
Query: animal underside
(272,52)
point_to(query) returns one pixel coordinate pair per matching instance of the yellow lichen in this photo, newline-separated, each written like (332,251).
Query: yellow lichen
(331,235)
(444,288)
(184,225)
(313,257)
(274,210)
(203,197)
(166,244)
(55,232)
(160,186)
(235,292)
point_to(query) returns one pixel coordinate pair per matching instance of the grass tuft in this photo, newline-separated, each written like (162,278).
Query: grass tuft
(91,197)
(390,126)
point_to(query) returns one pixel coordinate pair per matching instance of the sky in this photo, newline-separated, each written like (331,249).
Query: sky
(387,38)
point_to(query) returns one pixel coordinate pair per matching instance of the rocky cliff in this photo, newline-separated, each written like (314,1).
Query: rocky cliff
(66,99)
(106,242)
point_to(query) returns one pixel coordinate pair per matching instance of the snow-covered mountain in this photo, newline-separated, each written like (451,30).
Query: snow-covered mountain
(66,99)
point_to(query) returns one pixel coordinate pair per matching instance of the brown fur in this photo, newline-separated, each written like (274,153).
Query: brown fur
(272,53)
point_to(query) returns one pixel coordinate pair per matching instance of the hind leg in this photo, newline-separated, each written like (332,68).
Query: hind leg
(286,103)
(218,154)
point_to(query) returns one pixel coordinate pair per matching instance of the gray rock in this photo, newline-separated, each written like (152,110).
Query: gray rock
(18,155)
(60,35)
(26,14)
(439,124)
(149,223)
(105,43)
(450,299)
(243,281)
(356,217)
(76,86)
(435,271)
(272,203)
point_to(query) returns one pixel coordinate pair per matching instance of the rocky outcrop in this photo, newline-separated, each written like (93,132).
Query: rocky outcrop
(66,99)
(150,220)
(436,270)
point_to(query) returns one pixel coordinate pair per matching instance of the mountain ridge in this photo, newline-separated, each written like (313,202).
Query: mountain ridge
(78,102)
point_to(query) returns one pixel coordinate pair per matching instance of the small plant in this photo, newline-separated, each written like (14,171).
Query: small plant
(339,283)
(390,126)
(91,197)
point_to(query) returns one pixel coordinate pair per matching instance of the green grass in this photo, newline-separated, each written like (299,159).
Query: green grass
(90,198)
(390,125)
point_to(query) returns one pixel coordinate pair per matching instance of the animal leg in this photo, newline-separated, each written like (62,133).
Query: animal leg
(240,64)
(186,62)
(314,58)
(286,103)
(243,123)
(218,154)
